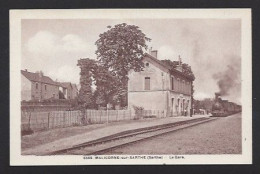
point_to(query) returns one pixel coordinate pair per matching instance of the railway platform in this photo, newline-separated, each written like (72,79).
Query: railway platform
(103,132)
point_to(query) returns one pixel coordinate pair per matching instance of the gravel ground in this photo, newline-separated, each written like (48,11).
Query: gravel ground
(221,136)
(44,137)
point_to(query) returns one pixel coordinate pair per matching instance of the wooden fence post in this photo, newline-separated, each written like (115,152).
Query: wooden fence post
(100,117)
(69,118)
(30,120)
(48,120)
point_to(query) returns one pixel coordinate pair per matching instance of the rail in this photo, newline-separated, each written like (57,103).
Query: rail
(125,138)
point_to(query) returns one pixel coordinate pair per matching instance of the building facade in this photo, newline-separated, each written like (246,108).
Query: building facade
(36,86)
(158,87)
(75,91)
(69,90)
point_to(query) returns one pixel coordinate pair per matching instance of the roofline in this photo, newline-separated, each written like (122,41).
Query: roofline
(54,84)
(65,82)
(43,82)
(168,67)
(163,67)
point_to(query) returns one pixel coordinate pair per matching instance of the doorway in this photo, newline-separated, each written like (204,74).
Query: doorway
(173,108)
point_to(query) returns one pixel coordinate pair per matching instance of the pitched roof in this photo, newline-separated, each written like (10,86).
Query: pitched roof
(35,77)
(65,84)
(74,86)
(168,67)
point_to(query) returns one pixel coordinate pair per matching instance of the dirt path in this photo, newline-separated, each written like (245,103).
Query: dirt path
(52,140)
(222,136)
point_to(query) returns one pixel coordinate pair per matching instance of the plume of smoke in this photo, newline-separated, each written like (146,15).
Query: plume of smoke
(229,81)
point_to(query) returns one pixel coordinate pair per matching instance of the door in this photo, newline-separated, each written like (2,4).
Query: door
(178,107)
(173,107)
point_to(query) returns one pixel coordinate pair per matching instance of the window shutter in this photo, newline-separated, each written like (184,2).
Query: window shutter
(147,83)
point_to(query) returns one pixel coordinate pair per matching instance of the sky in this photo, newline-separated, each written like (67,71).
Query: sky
(211,46)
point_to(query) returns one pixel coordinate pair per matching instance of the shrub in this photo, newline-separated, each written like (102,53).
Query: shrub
(75,124)
(138,112)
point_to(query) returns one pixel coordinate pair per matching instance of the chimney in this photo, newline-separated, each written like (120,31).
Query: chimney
(40,74)
(216,96)
(150,50)
(154,53)
(180,60)
(25,70)
(179,66)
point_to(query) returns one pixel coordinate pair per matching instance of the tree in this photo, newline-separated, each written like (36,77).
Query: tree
(185,67)
(203,104)
(121,49)
(106,82)
(172,64)
(85,92)
(187,70)
(106,85)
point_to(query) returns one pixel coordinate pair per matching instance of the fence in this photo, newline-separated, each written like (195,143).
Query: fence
(57,119)
(41,106)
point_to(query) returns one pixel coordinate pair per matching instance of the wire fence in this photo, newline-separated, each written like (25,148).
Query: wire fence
(56,119)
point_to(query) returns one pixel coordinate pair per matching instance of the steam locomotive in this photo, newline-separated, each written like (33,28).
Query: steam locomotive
(223,108)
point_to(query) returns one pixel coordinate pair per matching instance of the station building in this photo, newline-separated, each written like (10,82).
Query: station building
(159,87)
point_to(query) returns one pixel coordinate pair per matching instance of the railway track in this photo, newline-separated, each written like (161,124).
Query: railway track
(125,138)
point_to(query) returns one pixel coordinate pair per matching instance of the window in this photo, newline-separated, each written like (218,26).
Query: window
(36,86)
(45,87)
(183,86)
(147,64)
(172,84)
(178,84)
(147,83)
(188,87)
(173,107)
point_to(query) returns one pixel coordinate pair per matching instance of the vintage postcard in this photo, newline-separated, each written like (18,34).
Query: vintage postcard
(130,86)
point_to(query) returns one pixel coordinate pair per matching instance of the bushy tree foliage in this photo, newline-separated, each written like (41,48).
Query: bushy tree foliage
(187,70)
(85,93)
(172,64)
(106,85)
(121,48)
(206,103)
(185,67)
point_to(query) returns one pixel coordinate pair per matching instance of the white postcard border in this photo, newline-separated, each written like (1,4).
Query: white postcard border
(16,159)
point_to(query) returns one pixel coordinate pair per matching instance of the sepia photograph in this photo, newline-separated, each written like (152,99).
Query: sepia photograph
(130,87)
